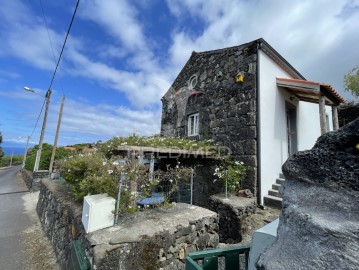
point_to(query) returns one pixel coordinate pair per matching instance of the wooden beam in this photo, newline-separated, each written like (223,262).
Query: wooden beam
(335,117)
(323,126)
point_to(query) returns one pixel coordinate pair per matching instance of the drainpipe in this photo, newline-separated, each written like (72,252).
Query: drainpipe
(259,192)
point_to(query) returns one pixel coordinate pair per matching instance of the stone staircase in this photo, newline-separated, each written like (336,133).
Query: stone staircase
(273,198)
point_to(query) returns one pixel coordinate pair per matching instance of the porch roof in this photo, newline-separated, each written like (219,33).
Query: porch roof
(310,91)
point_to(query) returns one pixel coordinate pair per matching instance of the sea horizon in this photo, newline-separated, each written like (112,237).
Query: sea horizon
(13,150)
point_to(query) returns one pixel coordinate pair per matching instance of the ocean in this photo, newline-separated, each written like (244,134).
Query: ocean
(15,150)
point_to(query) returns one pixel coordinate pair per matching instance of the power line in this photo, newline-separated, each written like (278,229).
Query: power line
(48,35)
(47,29)
(58,61)
(38,118)
(63,46)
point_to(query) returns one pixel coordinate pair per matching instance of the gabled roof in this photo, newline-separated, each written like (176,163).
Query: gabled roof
(258,44)
(310,91)
(332,97)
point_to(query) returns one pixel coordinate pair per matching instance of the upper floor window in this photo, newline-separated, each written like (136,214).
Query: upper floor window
(193,124)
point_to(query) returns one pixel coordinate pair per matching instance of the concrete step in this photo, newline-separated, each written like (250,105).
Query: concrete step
(273,201)
(281,175)
(276,186)
(274,193)
(280,180)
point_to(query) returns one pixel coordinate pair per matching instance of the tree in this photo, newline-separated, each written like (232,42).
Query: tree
(1,151)
(351,81)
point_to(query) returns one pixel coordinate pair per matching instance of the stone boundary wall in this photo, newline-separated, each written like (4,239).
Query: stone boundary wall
(36,179)
(166,246)
(165,250)
(33,179)
(60,217)
(232,214)
(27,176)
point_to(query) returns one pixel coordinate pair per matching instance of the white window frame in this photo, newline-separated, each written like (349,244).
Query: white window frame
(193,124)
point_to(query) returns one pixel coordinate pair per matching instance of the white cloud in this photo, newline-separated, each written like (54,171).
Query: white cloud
(314,36)
(119,19)
(104,120)
(24,37)
(143,88)
(319,38)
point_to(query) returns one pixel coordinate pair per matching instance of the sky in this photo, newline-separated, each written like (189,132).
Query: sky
(122,56)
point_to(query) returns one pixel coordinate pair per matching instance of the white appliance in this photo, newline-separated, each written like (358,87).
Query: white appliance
(98,212)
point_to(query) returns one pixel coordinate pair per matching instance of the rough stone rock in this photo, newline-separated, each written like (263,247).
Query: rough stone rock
(319,222)
(347,113)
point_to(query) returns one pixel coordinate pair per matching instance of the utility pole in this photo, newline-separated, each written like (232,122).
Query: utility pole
(38,154)
(57,135)
(12,154)
(24,159)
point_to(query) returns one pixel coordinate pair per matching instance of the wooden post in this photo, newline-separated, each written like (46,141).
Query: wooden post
(335,117)
(38,154)
(323,126)
(56,136)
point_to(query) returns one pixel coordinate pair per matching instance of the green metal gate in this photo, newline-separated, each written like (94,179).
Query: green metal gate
(78,258)
(209,258)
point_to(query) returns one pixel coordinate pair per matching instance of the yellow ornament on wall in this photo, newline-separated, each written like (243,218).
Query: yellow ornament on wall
(239,77)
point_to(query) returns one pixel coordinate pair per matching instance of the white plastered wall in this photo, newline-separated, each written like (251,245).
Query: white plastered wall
(273,126)
(308,124)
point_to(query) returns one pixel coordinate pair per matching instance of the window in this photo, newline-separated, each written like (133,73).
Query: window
(193,124)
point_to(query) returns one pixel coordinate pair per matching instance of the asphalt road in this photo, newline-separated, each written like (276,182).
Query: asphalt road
(9,182)
(13,221)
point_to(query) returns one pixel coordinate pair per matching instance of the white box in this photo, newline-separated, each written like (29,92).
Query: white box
(98,212)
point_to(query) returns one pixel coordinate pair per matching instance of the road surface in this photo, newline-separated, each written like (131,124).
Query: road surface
(20,230)
(9,183)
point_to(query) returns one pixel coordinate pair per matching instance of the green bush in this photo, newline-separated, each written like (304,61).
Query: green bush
(93,174)
(16,160)
(231,173)
(46,153)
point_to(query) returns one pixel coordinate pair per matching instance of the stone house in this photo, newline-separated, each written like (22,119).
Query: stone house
(250,99)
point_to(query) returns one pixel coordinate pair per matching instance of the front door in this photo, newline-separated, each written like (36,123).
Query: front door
(291,112)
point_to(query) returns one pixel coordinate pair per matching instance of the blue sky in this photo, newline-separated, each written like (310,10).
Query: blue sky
(122,56)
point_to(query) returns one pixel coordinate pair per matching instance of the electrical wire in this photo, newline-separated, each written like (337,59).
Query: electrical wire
(48,36)
(58,61)
(63,46)
(47,29)
(38,118)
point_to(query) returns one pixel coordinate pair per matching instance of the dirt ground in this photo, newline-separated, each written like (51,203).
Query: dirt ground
(258,220)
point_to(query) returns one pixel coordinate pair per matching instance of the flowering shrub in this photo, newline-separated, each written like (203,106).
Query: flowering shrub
(92,174)
(231,173)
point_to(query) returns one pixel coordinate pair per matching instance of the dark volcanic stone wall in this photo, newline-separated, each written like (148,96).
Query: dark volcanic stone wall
(227,110)
(60,217)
